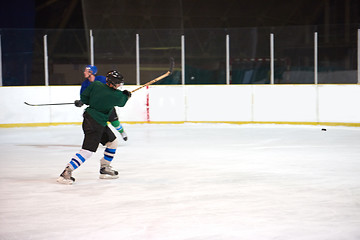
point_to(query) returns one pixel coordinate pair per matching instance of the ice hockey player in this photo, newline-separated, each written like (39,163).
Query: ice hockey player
(101,98)
(90,76)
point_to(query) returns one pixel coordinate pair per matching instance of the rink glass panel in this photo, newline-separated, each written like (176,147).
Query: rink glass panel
(68,54)
(116,50)
(156,48)
(22,57)
(338,54)
(205,55)
(250,55)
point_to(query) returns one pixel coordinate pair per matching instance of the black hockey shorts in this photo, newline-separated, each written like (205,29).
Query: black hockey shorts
(95,133)
(113,116)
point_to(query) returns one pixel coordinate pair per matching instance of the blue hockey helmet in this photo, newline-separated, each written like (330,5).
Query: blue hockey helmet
(92,69)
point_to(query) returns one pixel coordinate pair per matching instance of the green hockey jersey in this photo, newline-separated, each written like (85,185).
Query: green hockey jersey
(101,100)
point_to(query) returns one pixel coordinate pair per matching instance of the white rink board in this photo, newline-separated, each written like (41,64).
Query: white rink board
(339,103)
(219,103)
(167,103)
(285,103)
(64,113)
(194,103)
(135,108)
(12,107)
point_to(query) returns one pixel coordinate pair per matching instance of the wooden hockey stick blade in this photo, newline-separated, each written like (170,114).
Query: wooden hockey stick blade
(47,104)
(168,73)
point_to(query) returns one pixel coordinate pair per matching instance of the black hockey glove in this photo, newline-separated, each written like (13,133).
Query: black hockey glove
(127,93)
(78,103)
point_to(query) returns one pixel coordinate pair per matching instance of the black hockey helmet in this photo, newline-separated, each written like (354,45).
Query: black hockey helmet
(114,77)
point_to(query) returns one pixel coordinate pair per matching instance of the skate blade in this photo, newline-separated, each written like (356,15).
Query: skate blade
(65,181)
(107,176)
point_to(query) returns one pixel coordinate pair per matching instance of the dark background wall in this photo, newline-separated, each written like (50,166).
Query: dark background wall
(23,50)
(175,13)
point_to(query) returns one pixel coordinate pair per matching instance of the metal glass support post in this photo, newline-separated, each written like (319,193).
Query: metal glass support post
(182,59)
(1,80)
(227,59)
(316,58)
(137,60)
(271,58)
(91,48)
(46,65)
(316,75)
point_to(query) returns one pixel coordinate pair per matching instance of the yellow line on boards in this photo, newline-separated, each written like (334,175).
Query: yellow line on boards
(13,125)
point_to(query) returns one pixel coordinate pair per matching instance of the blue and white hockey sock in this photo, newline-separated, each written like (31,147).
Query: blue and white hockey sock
(79,158)
(109,153)
(108,156)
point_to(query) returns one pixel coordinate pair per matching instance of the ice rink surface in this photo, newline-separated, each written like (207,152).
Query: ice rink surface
(185,182)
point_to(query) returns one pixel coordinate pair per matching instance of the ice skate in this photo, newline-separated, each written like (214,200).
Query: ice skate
(124,135)
(106,172)
(65,177)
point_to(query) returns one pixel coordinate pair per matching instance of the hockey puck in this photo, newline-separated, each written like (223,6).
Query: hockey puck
(323,129)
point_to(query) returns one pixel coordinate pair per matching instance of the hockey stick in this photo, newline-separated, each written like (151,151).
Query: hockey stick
(47,104)
(168,73)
